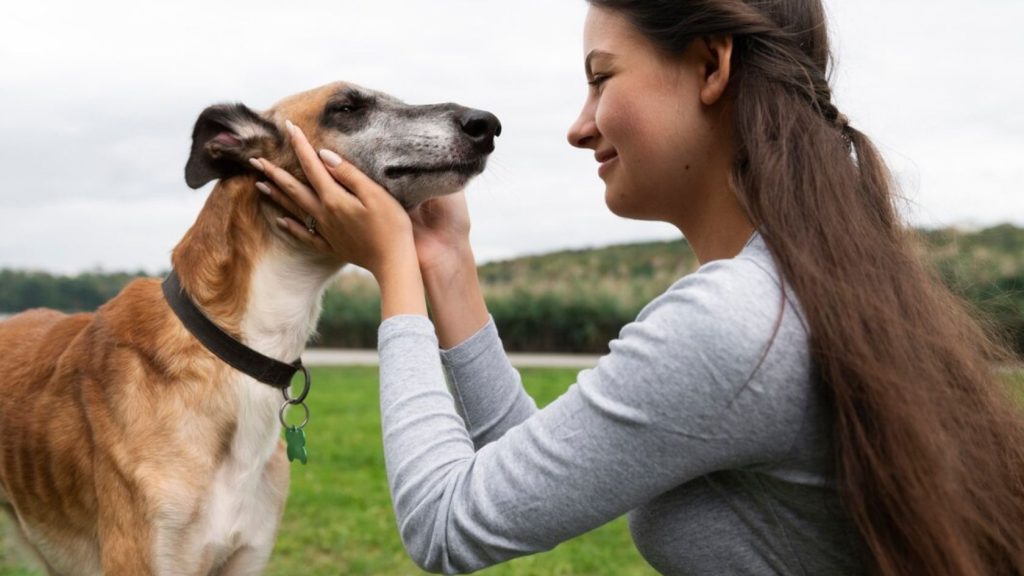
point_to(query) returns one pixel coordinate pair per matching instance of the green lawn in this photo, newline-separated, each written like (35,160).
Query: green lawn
(339,519)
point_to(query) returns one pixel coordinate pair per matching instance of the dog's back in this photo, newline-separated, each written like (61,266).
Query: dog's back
(33,343)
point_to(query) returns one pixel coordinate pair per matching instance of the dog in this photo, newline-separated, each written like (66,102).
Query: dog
(126,446)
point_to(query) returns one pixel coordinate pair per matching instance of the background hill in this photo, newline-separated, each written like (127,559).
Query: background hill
(576,301)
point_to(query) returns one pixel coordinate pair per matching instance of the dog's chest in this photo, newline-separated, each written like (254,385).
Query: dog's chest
(241,513)
(245,498)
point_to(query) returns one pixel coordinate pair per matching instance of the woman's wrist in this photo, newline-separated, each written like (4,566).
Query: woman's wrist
(456,301)
(401,287)
(456,259)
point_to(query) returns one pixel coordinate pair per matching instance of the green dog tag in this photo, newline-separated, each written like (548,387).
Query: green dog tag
(296,440)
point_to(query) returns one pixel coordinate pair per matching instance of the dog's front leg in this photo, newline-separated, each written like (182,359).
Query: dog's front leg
(252,558)
(124,534)
(248,561)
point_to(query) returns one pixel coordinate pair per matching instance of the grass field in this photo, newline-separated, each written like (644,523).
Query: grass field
(339,519)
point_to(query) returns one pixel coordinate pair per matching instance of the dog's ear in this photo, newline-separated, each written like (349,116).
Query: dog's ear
(225,137)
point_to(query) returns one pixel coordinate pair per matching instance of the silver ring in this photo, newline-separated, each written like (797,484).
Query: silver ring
(311,224)
(280,415)
(307,383)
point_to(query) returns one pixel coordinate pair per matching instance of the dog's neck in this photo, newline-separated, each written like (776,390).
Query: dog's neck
(246,278)
(285,293)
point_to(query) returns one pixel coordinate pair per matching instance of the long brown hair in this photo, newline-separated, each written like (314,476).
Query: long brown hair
(929,442)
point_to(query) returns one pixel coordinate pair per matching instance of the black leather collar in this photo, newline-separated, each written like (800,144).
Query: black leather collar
(239,356)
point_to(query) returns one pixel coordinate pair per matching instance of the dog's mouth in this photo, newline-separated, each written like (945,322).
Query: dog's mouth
(464,168)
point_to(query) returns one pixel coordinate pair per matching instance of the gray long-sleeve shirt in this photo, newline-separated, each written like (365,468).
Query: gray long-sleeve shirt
(717,445)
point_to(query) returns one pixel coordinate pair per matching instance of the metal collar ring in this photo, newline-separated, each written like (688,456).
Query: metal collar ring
(305,388)
(280,415)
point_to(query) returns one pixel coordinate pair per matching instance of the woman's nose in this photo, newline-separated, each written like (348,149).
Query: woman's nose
(583,131)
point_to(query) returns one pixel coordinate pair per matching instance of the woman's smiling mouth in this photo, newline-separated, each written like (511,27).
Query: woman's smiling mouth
(606,158)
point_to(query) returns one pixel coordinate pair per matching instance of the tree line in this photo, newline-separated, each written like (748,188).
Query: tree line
(577,301)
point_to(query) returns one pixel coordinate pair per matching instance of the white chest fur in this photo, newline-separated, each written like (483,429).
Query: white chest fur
(243,503)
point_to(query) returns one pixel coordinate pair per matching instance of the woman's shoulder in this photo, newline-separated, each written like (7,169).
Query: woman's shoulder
(738,317)
(741,293)
(726,338)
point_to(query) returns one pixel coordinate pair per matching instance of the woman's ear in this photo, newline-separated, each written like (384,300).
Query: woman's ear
(717,54)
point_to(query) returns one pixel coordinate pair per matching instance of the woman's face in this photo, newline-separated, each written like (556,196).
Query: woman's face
(660,148)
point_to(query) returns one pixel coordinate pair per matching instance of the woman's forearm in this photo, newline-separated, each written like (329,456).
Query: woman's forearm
(401,289)
(456,301)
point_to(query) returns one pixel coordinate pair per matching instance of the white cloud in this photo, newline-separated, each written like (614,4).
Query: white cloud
(100,98)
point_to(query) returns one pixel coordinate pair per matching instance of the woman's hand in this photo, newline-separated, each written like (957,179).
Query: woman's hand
(441,232)
(356,220)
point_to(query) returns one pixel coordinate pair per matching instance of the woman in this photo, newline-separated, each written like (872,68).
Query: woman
(811,401)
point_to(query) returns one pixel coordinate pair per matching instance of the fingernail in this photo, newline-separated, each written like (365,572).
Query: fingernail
(330,158)
(263,188)
(289,126)
(281,222)
(256,164)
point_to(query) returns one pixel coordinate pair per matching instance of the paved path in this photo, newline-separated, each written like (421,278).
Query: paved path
(334,357)
(339,357)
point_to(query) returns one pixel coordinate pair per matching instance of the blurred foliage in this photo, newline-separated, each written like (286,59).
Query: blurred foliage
(578,300)
(987,269)
(20,290)
(351,313)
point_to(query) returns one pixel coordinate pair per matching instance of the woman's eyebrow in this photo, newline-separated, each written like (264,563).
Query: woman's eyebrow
(594,54)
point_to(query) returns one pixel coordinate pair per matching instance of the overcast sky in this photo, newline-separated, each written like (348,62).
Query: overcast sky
(99,99)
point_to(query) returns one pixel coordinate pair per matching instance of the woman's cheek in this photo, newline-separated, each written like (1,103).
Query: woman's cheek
(609,117)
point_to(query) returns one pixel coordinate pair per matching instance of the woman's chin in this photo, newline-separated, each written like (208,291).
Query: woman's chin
(625,205)
(618,202)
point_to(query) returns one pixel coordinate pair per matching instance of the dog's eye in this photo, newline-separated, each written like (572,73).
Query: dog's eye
(343,108)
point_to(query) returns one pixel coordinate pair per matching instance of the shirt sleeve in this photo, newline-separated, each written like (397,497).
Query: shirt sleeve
(673,400)
(488,390)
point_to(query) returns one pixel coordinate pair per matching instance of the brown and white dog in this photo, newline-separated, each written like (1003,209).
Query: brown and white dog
(125,446)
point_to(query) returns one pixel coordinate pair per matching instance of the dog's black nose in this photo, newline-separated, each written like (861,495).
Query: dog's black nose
(481,127)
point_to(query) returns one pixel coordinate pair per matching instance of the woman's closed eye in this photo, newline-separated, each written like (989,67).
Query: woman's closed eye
(597,80)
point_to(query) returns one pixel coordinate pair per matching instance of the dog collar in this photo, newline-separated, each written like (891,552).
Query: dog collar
(239,356)
(244,359)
